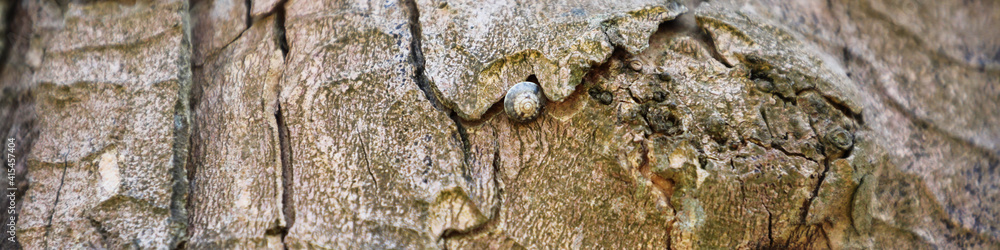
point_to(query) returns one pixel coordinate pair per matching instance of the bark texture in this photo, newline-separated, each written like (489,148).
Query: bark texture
(273,124)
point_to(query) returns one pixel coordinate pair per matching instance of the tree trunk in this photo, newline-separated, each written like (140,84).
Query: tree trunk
(382,124)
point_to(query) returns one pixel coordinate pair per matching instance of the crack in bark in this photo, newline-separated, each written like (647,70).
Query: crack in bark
(826,160)
(181,145)
(287,175)
(770,226)
(281,15)
(284,137)
(826,168)
(249,17)
(417,57)
(55,204)
(430,92)
(494,217)
(815,192)
(215,52)
(194,158)
(368,164)
(801,155)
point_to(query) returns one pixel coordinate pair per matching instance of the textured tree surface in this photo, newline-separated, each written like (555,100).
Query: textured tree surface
(210,124)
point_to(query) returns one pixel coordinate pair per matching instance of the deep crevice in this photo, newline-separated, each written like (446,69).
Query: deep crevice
(193,157)
(280,17)
(532,78)
(181,145)
(287,174)
(430,92)
(463,135)
(770,225)
(194,150)
(249,17)
(194,160)
(417,57)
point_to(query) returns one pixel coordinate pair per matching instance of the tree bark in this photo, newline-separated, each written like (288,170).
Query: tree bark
(362,124)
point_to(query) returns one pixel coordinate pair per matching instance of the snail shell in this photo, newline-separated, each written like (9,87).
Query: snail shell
(840,138)
(635,65)
(524,102)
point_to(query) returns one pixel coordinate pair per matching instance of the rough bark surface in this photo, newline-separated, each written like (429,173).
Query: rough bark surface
(110,84)
(379,124)
(235,169)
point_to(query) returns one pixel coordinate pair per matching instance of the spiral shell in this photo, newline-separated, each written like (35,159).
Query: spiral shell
(524,102)
(635,65)
(840,139)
